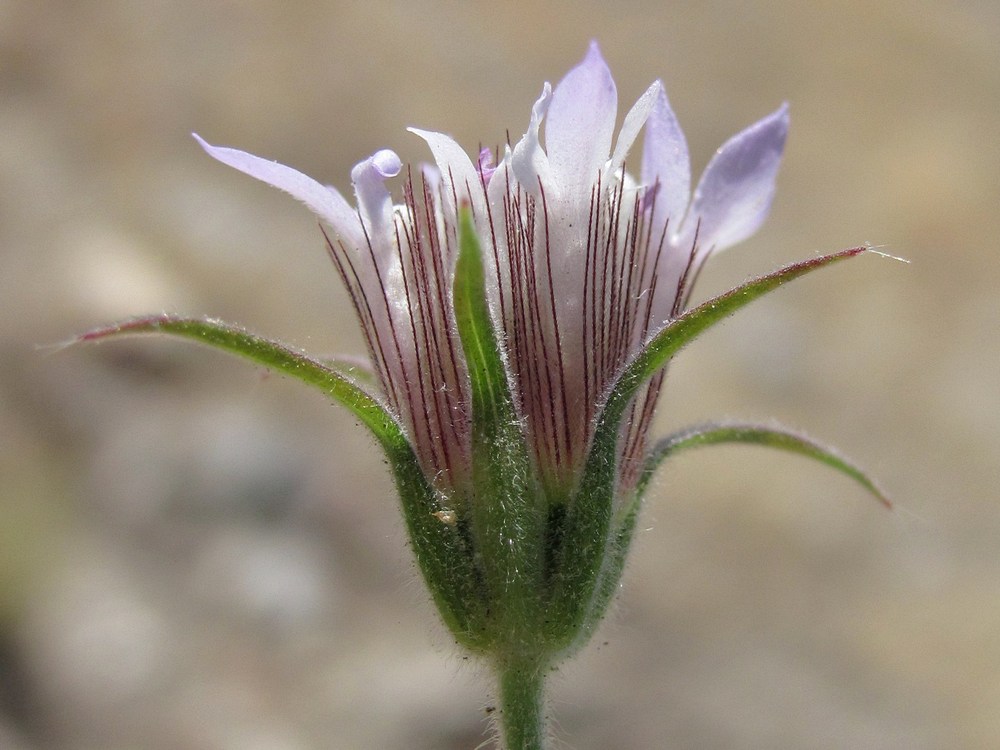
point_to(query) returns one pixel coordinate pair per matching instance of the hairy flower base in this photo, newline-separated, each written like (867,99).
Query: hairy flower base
(512,569)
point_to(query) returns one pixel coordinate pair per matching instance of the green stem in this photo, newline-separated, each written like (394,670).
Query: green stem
(522,717)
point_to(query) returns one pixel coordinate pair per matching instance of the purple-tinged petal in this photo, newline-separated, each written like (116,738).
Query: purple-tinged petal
(485,165)
(666,166)
(528,161)
(634,120)
(735,192)
(374,200)
(324,201)
(581,124)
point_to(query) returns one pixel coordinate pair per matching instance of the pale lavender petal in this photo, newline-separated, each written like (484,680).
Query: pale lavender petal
(322,200)
(734,194)
(431,176)
(461,178)
(528,161)
(374,200)
(581,124)
(485,165)
(666,166)
(634,120)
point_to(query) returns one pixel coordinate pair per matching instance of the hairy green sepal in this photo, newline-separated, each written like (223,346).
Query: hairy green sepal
(442,554)
(505,507)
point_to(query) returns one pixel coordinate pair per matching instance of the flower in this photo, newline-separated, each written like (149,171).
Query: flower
(584,262)
(519,310)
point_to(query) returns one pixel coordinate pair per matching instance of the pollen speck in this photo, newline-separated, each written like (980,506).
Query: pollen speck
(446,516)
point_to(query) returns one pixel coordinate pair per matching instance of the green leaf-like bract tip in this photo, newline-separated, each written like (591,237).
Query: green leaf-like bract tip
(274,356)
(754,434)
(593,552)
(442,554)
(713,434)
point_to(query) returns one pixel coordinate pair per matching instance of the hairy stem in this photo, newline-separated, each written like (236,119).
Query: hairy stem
(522,716)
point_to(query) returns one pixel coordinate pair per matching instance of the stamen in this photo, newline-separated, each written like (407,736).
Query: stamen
(442,306)
(555,323)
(493,241)
(388,310)
(437,457)
(428,386)
(684,287)
(588,390)
(358,296)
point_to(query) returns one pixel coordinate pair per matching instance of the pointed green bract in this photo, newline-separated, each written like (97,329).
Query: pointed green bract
(771,437)
(703,435)
(681,331)
(272,355)
(487,378)
(588,565)
(441,552)
(356,371)
(505,505)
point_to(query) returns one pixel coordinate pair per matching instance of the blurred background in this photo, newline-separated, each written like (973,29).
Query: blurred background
(195,555)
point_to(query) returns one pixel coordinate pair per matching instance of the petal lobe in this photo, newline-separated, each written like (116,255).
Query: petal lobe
(581,123)
(324,201)
(735,192)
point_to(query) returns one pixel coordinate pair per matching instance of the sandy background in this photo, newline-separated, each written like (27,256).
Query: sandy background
(194,555)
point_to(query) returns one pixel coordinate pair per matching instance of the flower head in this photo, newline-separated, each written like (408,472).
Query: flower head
(519,309)
(584,261)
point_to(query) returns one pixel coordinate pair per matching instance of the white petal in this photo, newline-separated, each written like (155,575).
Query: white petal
(322,200)
(460,176)
(431,175)
(734,194)
(527,161)
(374,200)
(666,164)
(634,120)
(581,124)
